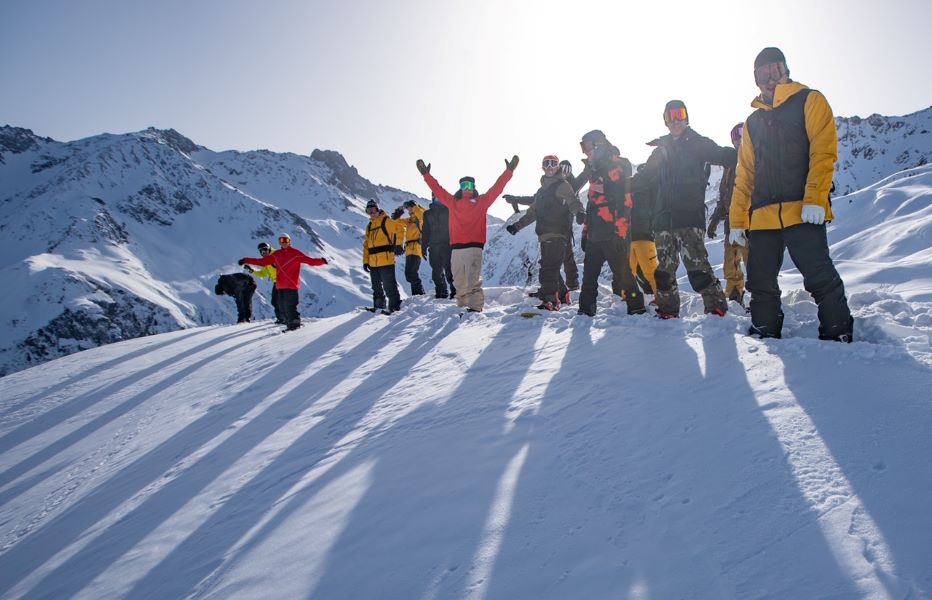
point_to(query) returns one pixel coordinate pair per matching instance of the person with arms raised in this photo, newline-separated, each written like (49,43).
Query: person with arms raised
(468,209)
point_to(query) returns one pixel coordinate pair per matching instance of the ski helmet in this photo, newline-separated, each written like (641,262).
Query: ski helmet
(264,246)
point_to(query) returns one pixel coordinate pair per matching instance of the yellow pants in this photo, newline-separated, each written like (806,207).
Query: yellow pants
(734,277)
(644,254)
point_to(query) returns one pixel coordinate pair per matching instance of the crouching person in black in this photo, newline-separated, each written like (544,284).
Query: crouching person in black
(241,286)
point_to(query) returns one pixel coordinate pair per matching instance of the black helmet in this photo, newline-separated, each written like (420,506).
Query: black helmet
(594,136)
(264,246)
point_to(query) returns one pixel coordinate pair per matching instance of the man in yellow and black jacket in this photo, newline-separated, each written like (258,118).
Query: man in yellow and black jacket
(268,272)
(383,234)
(781,199)
(414,250)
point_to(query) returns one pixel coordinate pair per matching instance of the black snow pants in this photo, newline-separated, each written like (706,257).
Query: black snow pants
(808,248)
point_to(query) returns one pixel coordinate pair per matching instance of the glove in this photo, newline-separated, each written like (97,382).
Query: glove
(813,213)
(508,198)
(738,237)
(325,260)
(365,268)
(729,157)
(711,230)
(511,229)
(422,168)
(580,217)
(566,170)
(396,214)
(241,262)
(512,164)
(248,269)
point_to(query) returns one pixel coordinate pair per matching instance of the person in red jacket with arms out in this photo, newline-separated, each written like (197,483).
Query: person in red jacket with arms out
(287,262)
(468,209)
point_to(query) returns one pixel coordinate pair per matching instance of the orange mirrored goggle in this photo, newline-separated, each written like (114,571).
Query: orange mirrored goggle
(284,240)
(675,114)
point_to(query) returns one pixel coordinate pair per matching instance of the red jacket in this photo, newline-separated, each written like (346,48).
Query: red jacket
(287,262)
(467,217)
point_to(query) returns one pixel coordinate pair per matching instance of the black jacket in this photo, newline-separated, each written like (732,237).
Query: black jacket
(552,209)
(436,230)
(233,284)
(676,168)
(607,214)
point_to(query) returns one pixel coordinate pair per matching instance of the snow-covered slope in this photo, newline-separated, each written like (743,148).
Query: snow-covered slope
(117,236)
(429,455)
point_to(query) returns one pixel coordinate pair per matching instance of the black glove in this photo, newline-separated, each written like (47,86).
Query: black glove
(325,260)
(511,229)
(581,217)
(248,269)
(729,157)
(241,262)
(512,164)
(365,268)
(396,214)
(399,250)
(711,230)
(422,168)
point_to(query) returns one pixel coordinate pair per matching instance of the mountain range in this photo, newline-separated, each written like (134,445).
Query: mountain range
(113,237)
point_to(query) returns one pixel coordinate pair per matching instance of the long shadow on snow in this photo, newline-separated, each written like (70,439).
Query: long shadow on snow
(203,552)
(638,484)
(877,430)
(56,535)
(394,544)
(139,398)
(87,373)
(69,409)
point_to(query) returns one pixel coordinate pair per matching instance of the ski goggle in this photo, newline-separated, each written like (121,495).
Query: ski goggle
(549,163)
(467,185)
(764,74)
(284,240)
(265,250)
(587,146)
(675,114)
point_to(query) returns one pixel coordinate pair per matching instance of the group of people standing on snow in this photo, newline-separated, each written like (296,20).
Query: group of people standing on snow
(774,196)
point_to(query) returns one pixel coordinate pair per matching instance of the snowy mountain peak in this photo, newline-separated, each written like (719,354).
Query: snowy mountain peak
(872,148)
(17,140)
(171,138)
(344,175)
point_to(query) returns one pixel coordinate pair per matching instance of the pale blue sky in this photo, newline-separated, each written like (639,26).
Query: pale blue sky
(461,84)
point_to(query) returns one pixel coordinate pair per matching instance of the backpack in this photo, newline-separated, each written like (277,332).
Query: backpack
(398,249)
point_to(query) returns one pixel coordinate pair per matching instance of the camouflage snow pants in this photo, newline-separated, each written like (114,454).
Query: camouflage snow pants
(689,243)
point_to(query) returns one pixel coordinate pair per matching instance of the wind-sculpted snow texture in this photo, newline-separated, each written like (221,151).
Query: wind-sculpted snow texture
(432,454)
(120,236)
